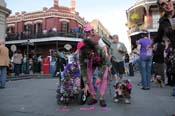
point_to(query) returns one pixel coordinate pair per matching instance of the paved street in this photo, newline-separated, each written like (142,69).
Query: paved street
(36,97)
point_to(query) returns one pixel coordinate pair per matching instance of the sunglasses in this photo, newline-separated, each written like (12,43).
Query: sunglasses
(164,3)
(87,32)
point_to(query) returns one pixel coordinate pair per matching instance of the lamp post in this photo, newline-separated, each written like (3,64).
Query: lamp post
(28,41)
(27,54)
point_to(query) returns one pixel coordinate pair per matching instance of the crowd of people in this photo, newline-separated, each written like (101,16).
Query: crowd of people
(20,64)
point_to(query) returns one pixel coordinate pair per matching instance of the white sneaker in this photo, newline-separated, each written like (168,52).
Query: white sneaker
(127,101)
(116,100)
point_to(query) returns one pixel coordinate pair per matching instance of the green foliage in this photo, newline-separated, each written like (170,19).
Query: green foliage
(134,16)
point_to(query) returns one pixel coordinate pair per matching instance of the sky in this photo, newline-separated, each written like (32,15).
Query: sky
(111,13)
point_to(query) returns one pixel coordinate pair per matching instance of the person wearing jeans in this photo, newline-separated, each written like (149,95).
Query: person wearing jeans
(146,64)
(3,71)
(145,59)
(4,63)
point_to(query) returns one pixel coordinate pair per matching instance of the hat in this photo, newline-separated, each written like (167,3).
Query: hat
(88,27)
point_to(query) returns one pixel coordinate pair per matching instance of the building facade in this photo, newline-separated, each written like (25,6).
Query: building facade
(50,28)
(4,12)
(144,14)
(100,29)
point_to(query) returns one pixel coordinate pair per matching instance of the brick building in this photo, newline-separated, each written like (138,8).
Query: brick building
(42,31)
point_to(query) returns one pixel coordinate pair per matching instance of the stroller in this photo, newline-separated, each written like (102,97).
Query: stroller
(70,85)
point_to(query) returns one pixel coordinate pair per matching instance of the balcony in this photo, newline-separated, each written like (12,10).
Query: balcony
(28,35)
(139,27)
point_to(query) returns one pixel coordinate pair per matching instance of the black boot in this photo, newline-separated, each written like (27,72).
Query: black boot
(103,103)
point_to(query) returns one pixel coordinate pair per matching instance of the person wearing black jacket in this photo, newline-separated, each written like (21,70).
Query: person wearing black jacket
(158,59)
(60,63)
(166,30)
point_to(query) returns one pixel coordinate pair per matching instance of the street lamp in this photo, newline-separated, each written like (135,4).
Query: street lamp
(27,54)
(28,41)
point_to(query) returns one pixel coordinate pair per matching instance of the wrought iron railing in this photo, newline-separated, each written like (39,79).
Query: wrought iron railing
(24,35)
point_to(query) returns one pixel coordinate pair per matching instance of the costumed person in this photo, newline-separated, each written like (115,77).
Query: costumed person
(92,54)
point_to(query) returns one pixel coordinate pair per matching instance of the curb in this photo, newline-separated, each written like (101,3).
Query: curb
(34,76)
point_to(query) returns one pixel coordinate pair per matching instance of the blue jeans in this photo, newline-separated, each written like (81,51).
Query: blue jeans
(146,64)
(3,71)
(138,65)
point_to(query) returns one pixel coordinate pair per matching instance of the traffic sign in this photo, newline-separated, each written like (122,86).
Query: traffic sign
(67,46)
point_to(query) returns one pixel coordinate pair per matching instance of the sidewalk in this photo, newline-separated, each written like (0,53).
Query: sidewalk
(29,76)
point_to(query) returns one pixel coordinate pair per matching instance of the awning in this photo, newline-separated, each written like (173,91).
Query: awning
(138,32)
(45,40)
(134,33)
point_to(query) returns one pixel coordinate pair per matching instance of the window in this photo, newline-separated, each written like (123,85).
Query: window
(11,29)
(37,28)
(28,28)
(64,26)
(155,16)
